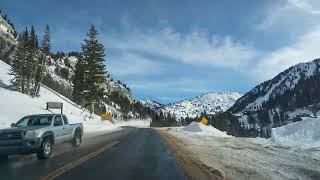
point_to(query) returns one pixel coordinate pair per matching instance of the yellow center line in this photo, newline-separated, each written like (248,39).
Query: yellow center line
(76,163)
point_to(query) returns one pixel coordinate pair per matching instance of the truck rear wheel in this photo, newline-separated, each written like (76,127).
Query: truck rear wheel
(76,142)
(45,150)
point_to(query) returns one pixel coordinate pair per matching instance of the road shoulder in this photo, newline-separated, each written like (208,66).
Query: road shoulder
(192,167)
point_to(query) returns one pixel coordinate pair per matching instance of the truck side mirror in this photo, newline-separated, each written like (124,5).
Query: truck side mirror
(12,124)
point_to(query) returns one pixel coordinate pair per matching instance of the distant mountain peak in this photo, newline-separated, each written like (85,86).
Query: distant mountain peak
(210,102)
(152,104)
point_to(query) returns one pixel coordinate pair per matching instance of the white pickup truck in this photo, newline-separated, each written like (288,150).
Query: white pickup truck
(37,134)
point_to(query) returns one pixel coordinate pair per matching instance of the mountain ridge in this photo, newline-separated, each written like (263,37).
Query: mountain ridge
(152,104)
(285,81)
(210,102)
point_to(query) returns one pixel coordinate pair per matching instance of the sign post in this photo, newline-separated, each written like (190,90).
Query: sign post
(55,105)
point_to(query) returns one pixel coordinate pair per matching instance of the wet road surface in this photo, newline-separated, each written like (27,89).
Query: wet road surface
(132,153)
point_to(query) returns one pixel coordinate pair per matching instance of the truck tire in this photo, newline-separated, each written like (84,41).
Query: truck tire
(76,142)
(45,150)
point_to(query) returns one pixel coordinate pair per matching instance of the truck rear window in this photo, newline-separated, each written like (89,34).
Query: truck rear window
(65,120)
(34,121)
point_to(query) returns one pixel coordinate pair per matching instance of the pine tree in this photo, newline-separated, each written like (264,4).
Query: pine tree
(42,59)
(2,48)
(18,63)
(46,42)
(94,73)
(78,81)
(33,41)
(33,65)
(25,63)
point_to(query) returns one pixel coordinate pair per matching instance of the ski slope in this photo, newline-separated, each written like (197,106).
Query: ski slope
(14,105)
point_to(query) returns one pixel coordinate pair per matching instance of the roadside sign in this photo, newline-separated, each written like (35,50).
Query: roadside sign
(204,121)
(106,117)
(55,105)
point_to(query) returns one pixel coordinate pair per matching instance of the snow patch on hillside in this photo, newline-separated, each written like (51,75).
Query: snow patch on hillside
(304,134)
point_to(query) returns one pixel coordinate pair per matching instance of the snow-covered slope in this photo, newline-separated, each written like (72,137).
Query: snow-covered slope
(211,103)
(304,134)
(14,105)
(287,98)
(150,104)
(291,82)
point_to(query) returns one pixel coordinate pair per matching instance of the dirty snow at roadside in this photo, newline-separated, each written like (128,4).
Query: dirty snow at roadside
(14,105)
(250,158)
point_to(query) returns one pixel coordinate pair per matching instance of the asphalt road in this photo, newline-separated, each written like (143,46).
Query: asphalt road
(132,153)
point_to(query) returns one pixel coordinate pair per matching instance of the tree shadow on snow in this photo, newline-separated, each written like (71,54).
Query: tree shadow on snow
(5,86)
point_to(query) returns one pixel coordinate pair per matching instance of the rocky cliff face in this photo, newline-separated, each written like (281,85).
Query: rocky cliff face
(114,86)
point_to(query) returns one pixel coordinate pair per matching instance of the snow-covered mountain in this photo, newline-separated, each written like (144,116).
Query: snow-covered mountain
(211,103)
(150,104)
(291,88)
(289,97)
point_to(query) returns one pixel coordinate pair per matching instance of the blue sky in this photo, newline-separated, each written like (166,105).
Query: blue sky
(168,50)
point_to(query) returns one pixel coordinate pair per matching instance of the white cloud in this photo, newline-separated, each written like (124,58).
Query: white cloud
(196,48)
(178,85)
(128,64)
(298,21)
(290,15)
(309,6)
(305,48)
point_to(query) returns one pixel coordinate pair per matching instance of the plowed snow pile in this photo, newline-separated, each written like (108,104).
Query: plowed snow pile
(305,133)
(200,129)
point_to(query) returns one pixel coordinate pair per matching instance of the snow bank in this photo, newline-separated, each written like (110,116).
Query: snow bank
(14,105)
(304,134)
(133,123)
(200,129)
